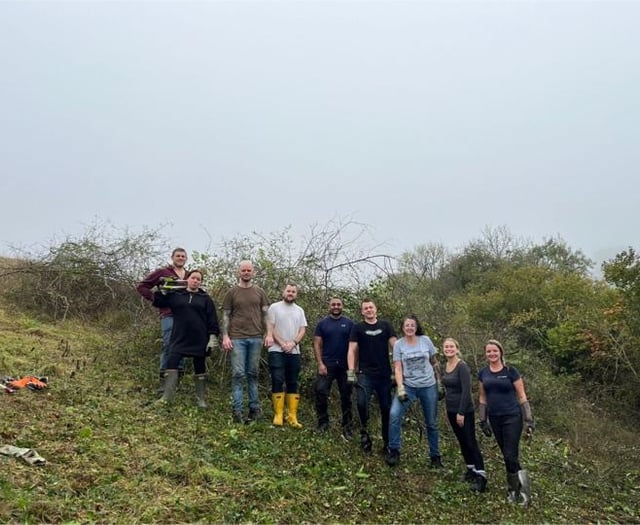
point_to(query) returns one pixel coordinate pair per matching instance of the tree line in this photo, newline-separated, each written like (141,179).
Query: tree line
(540,299)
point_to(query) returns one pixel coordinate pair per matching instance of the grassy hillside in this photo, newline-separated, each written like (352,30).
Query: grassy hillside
(115,457)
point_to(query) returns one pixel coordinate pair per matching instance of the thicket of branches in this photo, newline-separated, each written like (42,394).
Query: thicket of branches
(538,298)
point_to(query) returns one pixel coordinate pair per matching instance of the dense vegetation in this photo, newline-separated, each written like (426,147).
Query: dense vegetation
(115,457)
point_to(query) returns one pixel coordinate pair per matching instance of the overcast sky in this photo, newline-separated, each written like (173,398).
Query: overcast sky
(425,120)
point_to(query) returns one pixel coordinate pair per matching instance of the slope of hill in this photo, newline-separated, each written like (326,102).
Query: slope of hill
(113,456)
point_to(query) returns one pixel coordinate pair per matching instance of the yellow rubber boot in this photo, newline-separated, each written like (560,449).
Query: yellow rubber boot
(278,408)
(292,408)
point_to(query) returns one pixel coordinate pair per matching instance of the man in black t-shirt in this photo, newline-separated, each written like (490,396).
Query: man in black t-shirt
(370,369)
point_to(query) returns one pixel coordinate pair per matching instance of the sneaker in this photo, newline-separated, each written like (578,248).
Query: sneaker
(392,457)
(479,483)
(322,427)
(347,434)
(436,462)
(365,442)
(254,415)
(238,417)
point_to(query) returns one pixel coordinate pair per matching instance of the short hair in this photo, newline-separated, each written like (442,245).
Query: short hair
(195,270)
(176,250)
(419,330)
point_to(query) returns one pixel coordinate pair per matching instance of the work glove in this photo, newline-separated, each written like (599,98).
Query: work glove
(529,423)
(351,377)
(484,424)
(212,344)
(441,391)
(485,427)
(402,394)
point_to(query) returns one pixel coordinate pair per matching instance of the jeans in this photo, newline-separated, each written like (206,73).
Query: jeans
(166,326)
(285,369)
(245,362)
(366,386)
(323,389)
(428,397)
(507,430)
(467,439)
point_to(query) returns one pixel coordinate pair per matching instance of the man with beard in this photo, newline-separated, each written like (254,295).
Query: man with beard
(286,326)
(330,346)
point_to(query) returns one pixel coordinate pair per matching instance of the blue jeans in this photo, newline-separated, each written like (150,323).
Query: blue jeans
(285,369)
(245,362)
(366,386)
(428,397)
(166,325)
(507,430)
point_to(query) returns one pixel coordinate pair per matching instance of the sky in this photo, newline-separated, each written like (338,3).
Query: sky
(426,121)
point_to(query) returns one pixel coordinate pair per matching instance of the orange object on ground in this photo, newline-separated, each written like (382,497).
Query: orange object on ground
(31,382)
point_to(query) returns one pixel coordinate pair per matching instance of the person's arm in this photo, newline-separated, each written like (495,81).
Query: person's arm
(212,317)
(160,300)
(268,340)
(464,376)
(352,359)
(525,407)
(300,335)
(398,373)
(482,411)
(148,283)
(317,352)
(227,345)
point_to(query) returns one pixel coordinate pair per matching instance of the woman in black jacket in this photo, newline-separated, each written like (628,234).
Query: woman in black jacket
(195,329)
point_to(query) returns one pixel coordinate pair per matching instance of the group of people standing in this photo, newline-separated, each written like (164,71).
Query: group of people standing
(353,354)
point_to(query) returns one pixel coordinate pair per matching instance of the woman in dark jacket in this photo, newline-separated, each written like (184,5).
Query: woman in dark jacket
(195,328)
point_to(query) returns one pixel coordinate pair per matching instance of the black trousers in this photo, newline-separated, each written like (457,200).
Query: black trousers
(507,430)
(323,389)
(467,439)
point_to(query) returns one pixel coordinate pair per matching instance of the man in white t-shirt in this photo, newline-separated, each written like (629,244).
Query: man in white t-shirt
(286,326)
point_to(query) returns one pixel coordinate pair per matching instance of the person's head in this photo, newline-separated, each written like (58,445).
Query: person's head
(179,257)
(494,352)
(335,307)
(411,326)
(369,311)
(451,348)
(290,293)
(246,271)
(194,280)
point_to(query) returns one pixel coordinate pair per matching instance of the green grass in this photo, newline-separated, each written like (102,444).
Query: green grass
(116,457)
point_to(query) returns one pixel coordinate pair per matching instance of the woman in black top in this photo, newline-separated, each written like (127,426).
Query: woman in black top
(504,401)
(195,328)
(456,378)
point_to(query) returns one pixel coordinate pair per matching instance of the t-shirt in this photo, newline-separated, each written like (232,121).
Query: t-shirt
(373,346)
(287,319)
(501,394)
(417,371)
(245,306)
(458,385)
(335,339)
